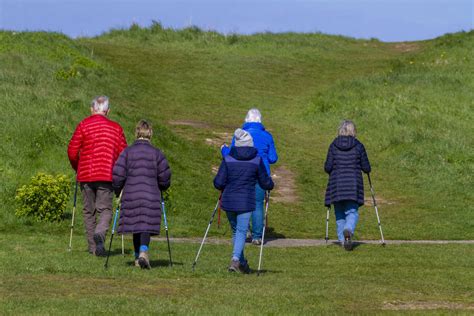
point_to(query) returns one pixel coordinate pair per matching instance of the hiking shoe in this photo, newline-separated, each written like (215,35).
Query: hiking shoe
(248,237)
(143,260)
(99,245)
(257,242)
(235,266)
(245,268)
(347,240)
(136,263)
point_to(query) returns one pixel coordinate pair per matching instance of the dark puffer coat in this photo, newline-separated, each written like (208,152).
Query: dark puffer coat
(237,176)
(142,172)
(345,160)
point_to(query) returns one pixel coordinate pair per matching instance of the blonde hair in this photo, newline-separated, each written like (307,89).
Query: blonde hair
(100,104)
(143,130)
(347,128)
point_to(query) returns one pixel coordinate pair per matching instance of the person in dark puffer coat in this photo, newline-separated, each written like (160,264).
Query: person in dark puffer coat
(345,160)
(238,174)
(141,173)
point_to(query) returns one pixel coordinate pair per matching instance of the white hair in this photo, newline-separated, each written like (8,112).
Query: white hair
(347,128)
(253,115)
(100,104)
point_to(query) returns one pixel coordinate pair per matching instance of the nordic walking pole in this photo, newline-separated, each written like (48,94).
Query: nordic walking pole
(166,227)
(73,213)
(376,209)
(113,230)
(207,230)
(219,217)
(327,224)
(263,232)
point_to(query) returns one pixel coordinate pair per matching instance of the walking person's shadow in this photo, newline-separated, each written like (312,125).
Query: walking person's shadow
(157,263)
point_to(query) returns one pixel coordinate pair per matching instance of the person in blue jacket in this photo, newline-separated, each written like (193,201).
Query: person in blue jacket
(345,160)
(263,141)
(238,174)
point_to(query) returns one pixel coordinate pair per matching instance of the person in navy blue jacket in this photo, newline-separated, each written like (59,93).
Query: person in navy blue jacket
(345,160)
(238,174)
(263,142)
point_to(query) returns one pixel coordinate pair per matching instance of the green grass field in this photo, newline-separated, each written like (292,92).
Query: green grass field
(40,277)
(413,104)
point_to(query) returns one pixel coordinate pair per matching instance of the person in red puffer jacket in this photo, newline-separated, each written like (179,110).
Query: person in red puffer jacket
(93,149)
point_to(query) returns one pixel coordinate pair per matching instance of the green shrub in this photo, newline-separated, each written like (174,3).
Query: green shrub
(44,198)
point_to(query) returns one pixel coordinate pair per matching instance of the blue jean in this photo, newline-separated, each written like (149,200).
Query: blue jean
(239,222)
(347,216)
(257,214)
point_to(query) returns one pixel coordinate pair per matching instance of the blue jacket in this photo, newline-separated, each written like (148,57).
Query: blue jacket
(262,140)
(345,160)
(237,176)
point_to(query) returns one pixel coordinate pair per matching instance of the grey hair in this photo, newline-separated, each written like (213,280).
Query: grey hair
(100,104)
(347,128)
(253,115)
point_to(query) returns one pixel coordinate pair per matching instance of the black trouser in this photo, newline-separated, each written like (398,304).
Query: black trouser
(140,239)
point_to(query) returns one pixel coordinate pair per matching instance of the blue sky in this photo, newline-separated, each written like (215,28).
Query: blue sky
(387,20)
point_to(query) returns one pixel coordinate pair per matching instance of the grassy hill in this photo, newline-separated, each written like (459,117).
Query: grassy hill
(412,102)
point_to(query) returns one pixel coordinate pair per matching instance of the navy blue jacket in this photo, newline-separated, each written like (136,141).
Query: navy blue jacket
(345,160)
(262,140)
(237,176)
(142,171)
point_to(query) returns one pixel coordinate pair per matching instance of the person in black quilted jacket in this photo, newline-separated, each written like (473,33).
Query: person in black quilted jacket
(346,159)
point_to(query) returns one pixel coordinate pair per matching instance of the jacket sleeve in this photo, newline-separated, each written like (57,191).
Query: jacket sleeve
(164,172)
(264,179)
(328,165)
(74,147)
(119,173)
(364,160)
(220,181)
(226,149)
(272,153)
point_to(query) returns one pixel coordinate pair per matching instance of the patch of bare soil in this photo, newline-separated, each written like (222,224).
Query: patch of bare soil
(378,199)
(407,47)
(191,123)
(285,185)
(218,138)
(396,305)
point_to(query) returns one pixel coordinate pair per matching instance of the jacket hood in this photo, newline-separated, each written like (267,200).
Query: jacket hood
(243,153)
(254,125)
(345,142)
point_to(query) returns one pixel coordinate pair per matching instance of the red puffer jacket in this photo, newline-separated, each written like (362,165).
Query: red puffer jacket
(94,147)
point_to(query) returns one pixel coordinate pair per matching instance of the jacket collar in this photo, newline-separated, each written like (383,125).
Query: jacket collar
(142,141)
(253,125)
